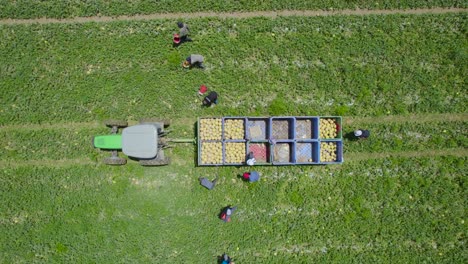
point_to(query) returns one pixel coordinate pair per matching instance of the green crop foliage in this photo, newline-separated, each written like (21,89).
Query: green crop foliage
(409,137)
(395,210)
(64,9)
(61,205)
(363,66)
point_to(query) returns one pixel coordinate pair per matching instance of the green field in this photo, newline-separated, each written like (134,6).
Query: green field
(65,9)
(399,197)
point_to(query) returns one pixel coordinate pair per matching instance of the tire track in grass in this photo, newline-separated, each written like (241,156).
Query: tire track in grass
(347,120)
(78,125)
(48,163)
(418,118)
(70,125)
(358,156)
(239,15)
(349,157)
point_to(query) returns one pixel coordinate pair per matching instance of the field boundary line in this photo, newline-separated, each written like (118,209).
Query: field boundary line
(239,15)
(348,157)
(417,118)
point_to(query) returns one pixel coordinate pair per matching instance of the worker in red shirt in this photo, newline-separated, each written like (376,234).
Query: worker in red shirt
(252,176)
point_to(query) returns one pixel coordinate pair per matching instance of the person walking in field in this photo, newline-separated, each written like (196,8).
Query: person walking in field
(361,134)
(195,60)
(211,99)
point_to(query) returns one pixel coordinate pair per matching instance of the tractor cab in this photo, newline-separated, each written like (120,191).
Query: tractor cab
(140,141)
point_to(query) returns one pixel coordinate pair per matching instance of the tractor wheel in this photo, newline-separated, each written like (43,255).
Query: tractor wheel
(166,122)
(115,161)
(155,162)
(117,123)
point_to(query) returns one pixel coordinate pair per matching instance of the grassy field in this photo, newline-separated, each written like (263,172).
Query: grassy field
(64,9)
(362,66)
(399,197)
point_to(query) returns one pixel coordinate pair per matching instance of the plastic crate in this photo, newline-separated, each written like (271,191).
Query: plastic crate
(228,151)
(338,152)
(307,152)
(201,122)
(282,128)
(337,120)
(257,128)
(206,157)
(261,151)
(283,153)
(306,128)
(234,128)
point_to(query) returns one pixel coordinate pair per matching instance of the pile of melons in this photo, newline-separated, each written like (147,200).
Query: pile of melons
(234,129)
(211,153)
(210,129)
(327,128)
(235,152)
(327,151)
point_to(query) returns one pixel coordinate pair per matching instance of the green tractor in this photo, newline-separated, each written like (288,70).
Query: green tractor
(143,142)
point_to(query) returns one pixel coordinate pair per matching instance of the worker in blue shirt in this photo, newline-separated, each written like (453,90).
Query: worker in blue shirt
(252,176)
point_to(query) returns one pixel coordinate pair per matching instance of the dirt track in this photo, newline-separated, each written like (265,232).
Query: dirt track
(272,14)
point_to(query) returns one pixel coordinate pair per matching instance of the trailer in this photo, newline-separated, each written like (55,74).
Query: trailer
(277,140)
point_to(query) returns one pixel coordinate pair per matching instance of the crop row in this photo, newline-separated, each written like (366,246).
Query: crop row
(389,206)
(52,144)
(73,143)
(409,137)
(63,8)
(341,65)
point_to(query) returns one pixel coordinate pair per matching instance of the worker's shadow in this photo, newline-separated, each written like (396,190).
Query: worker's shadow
(350,136)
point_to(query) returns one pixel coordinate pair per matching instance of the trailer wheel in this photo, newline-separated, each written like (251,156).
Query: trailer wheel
(116,123)
(155,162)
(115,161)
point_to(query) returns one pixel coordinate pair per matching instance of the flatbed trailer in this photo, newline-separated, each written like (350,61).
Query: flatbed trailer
(277,140)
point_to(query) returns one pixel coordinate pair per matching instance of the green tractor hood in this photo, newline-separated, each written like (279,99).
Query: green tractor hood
(108,142)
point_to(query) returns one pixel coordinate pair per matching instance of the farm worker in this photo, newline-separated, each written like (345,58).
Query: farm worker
(252,176)
(194,60)
(227,212)
(362,133)
(250,159)
(207,183)
(211,99)
(226,259)
(203,89)
(183,32)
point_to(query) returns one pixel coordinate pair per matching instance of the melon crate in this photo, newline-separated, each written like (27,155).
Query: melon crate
(277,140)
